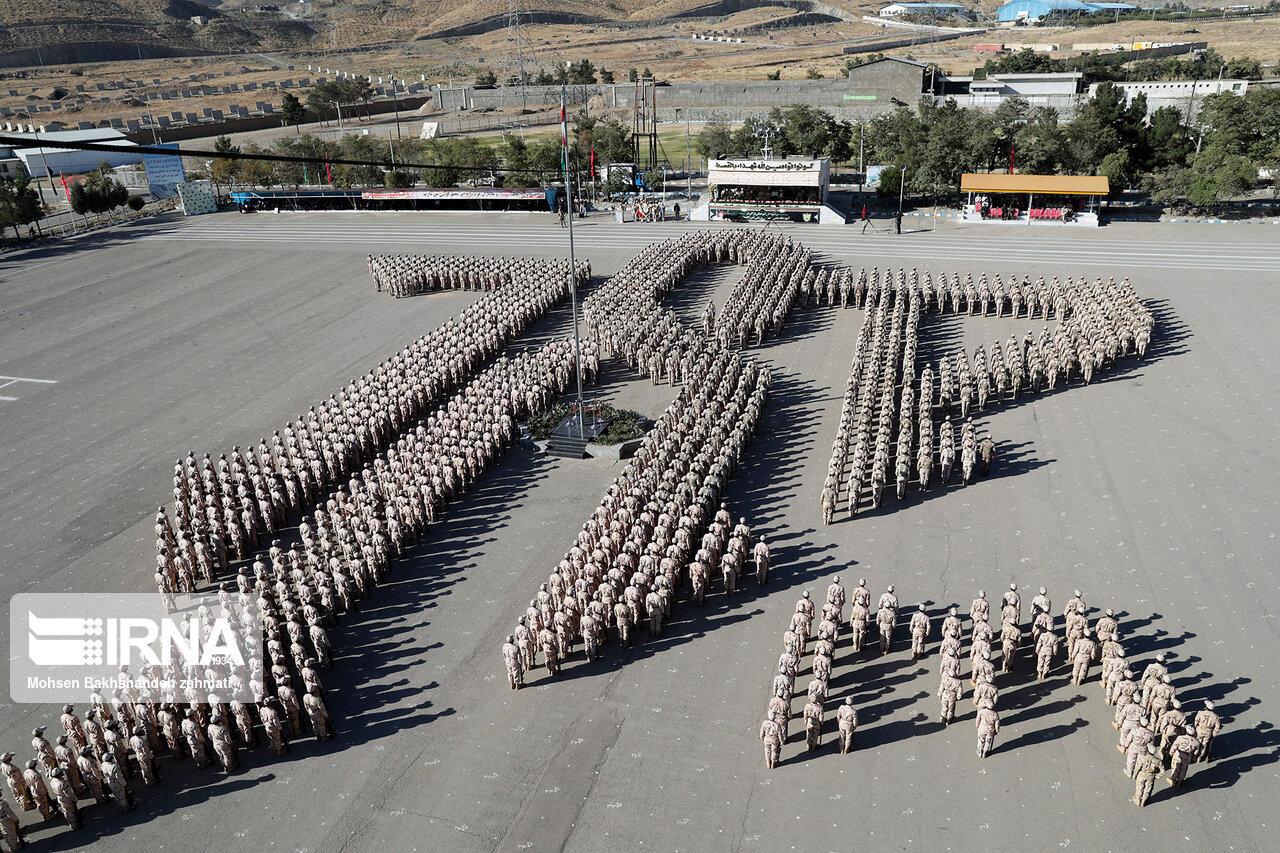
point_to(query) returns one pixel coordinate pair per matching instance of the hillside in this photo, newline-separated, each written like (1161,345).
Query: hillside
(97,30)
(447,38)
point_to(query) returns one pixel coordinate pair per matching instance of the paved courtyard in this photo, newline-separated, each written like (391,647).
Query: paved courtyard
(1152,491)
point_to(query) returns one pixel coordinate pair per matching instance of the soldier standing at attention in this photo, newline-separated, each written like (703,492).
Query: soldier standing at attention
(1084,652)
(986,454)
(988,723)
(1207,726)
(847,720)
(1147,770)
(813,725)
(762,561)
(919,632)
(949,692)
(1185,750)
(771,736)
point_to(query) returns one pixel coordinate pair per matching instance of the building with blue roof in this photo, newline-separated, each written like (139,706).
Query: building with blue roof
(1034,10)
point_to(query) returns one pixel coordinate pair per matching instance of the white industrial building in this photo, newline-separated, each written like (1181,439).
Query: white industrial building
(927,10)
(1036,88)
(43,150)
(1187,95)
(10,164)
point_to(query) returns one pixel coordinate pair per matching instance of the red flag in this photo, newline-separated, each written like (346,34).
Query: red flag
(864,211)
(593,160)
(1012,149)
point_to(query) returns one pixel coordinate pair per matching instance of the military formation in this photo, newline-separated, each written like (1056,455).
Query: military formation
(371,468)
(409,275)
(661,522)
(777,275)
(227,509)
(1154,729)
(910,432)
(368,470)
(775,728)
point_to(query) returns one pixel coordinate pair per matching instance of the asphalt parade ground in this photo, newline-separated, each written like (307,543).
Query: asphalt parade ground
(1152,490)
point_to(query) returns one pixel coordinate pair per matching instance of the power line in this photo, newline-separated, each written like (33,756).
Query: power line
(108,148)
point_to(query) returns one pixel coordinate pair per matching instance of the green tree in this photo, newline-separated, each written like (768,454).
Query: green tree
(459,156)
(224,169)
(808,131)
(618,182)
(358,90)
(487,78)
(606,76)
(1244,69)
(1168,140)
(98,192)
(1116,167)
(1219,176)
(328,94)
(543,78)
(1247,125)
(136,203)
(398,179)
(612,141)
(1023,62)
(582,73)
(953,141)
(893,137)
(813,74)
(292,111)
(531,164)
(360,147)
(322,96)
(1169,185)
(890,180)
(743,142)
(257,173)
(775,74)
(1041,143)
(715,140)
(1104,124)
(1006,119)
(632,75)
(78,199)
(19,203)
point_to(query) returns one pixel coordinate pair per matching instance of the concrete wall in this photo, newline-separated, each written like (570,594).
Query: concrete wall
(92,52)
(870,89)
(885,80)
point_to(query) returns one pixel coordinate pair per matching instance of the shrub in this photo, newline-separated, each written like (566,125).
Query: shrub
(624,425)
(543,424)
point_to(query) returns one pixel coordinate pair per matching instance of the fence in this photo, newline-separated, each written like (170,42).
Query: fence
(74,225)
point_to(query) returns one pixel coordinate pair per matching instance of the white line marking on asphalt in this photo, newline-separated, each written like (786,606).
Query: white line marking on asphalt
(6,381)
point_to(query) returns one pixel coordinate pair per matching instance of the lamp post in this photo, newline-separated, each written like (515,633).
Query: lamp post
(765,131)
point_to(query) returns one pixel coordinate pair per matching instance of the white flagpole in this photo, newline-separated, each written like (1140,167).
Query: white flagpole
(573,272)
